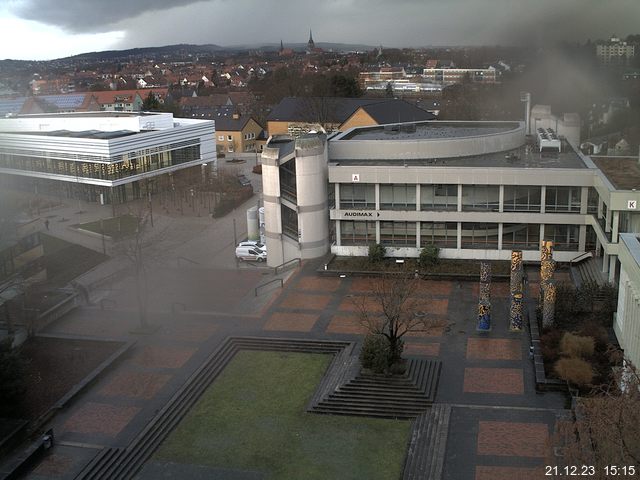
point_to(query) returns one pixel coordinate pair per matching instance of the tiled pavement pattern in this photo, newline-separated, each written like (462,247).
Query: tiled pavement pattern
(498,423)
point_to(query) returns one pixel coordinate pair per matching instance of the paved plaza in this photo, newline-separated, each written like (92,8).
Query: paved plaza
(499,426)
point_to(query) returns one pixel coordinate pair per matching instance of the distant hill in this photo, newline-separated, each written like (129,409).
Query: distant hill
(181,49)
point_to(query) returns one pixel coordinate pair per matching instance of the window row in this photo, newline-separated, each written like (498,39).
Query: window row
(472,235)
(444,197)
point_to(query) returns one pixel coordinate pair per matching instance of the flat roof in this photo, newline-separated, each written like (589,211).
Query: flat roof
(622,172)
(94,134)
(514,158)
(101,113)
(429,130)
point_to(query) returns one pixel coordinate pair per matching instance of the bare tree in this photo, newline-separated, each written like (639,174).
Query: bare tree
(605,428)
(393,309)
(136,249)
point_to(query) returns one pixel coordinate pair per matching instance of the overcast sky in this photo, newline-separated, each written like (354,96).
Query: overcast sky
(46,29)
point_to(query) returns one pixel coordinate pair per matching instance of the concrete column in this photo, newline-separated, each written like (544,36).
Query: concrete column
(607,221)
(418,197)
(377,230)
(582,238)
(377,196)
(584,196)
(337,194)
(541,234)
(605,263)
(418,235)
(459,235)
(612,268)
(459,198)
(500,233)
(598,246)
(543,198)
(600,203)
(501,204)
(338,233)
(615,224)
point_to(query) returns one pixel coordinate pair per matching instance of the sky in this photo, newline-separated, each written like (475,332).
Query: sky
(48,29)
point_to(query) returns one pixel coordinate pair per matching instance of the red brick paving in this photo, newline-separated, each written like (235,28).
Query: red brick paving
(436,331)
(509,473)
(361,284)
(54,465)
(426,349)
(434,306)
(305,301)
(498,290)
(352,304)
(162,356)
(512,439)
(346,324)
(100,418)
(323,284)
(291,322)
(190,331)
(435,287)
(135,384)
(494,349)
(494,380)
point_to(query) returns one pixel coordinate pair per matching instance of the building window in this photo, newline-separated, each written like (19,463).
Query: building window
(564,237)
(221,138)
(289,222)
(480,197)
(443,235)
(592,201)
(398,234)
(398,197)
(230,138)
(562,199)
(358,196)
(357,233)
(522,198)
(439,197)
(480,236)
(288,185)
(520,236)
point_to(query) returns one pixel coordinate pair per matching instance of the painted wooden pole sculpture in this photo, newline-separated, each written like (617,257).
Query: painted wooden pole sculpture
(484,302)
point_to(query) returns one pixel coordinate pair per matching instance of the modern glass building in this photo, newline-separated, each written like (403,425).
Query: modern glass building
(101,156)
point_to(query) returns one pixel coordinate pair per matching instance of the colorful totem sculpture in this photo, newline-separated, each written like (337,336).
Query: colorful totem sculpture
(516,319)
(516,289)
(517,272)
(484,302)
(549,305)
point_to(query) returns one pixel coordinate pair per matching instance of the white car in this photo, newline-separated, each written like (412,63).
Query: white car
(251,254)
(253,244)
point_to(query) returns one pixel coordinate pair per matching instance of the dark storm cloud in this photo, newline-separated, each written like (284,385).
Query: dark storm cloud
(398,23)
(90,15)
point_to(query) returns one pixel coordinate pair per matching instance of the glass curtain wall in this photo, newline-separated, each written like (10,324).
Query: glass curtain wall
(521,198)
(439,197)
(480,197)
(520,236)
(357,196)
(398,197)
(357,233)
(443,235)
(398,234)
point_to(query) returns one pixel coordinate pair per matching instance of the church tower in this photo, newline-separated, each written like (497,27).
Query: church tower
(310,44)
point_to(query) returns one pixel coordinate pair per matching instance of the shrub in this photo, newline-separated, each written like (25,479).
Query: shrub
(592,328)
(549,342)
(574,370)
(428,256)
(576,346)
(375,353)
(377,253)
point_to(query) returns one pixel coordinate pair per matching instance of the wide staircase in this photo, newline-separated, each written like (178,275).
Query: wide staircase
(123,463)
(588,270)
(400,396)
(427,445)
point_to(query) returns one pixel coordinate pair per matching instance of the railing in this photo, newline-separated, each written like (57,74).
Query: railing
(286,265)
(275,280)
(579,258)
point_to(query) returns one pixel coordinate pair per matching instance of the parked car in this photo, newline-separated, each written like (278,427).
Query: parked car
(253,244)
(251,254)
(244,181)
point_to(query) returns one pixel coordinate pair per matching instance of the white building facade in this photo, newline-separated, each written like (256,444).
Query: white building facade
(101,156)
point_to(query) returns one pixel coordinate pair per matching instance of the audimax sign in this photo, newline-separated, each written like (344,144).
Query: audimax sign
(363,214)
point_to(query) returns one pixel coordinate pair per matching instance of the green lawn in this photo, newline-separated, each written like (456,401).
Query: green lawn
(253,418)
(115,227)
